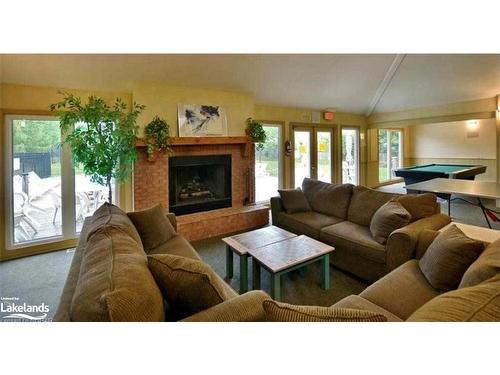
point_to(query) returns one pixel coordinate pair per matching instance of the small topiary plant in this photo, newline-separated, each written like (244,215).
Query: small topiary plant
(256,132)
(157,136)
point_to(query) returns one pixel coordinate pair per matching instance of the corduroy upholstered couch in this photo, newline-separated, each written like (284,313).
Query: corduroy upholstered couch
(340,216)
(109,280)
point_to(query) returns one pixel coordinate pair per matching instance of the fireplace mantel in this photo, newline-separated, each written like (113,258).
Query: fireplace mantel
(207,141)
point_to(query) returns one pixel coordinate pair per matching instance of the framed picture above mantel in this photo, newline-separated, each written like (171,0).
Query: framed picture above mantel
(197,120)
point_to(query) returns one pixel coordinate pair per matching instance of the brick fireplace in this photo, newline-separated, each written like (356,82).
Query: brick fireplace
(151,185)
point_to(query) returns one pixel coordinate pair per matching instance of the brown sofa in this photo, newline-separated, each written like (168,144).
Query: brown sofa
(340,216)
(109,278)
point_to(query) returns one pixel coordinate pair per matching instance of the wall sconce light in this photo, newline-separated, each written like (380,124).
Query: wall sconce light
(472,129)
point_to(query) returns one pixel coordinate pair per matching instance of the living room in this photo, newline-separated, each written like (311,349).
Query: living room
(241,187)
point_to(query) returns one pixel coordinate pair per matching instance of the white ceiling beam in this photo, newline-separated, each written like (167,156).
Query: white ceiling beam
(389,75)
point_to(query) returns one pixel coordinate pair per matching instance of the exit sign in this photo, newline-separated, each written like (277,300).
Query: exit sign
(329,116)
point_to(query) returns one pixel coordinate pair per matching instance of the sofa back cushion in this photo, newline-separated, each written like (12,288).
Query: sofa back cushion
(484,268)
(448,257)
(387,219)
(328,199)
(364,203)
(419,205)
(115,284)
(294,200)
(109,215)
(480,303)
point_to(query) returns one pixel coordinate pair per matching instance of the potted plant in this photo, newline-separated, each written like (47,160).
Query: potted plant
(101,137)
(256,132)
(156,137)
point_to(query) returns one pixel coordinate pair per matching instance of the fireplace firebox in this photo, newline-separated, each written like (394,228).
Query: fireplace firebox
(199,183)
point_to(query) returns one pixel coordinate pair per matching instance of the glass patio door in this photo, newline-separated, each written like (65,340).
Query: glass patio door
(46,199)
(313,154)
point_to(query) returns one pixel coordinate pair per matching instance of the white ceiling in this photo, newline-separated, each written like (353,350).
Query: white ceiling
(348,83)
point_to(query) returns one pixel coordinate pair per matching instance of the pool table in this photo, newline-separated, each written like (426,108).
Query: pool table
(420,173)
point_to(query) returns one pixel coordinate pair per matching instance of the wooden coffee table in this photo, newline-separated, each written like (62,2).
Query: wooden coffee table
(241,244)
(288,255)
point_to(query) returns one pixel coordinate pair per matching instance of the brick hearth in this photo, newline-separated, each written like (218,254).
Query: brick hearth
(151,186)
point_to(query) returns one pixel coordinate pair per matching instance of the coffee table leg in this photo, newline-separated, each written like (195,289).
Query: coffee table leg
(255,274)
(229,262)
(243,273)
(325,266)
(276,286)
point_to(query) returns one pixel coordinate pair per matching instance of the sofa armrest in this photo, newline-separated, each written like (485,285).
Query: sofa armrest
(276,209)
(171,217)
(401,244)
(244,308)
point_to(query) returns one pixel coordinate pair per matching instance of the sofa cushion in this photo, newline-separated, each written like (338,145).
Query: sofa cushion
(294,200)
(364,203)
(387,219)
(480,303)
(308,223)
(328,199)
(284,312)
(109,215)
(484,268)
(359,303)
(188,285)
(419,205)
(354,238)
(402,291)
(115,283)
(153,226)
(177,245)
(448,257)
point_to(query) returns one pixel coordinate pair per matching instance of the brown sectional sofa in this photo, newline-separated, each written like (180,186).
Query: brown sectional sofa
(109,281)
(341,216)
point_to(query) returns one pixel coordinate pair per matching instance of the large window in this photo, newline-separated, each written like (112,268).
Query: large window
(268,170)
(47,199)
(390,153)
(350,156)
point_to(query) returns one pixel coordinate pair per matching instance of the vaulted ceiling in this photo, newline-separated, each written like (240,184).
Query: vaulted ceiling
(363,83)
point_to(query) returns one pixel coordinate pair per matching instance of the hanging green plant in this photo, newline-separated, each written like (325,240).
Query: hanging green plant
(256,132)
(157,136)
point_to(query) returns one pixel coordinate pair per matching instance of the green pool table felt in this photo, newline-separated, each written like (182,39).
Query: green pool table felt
(440,168)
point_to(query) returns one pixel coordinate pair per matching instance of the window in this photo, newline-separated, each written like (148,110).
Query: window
(46,198)
(268,170)
(390,153)
(350,156)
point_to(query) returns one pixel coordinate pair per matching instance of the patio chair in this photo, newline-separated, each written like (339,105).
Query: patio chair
(21,216)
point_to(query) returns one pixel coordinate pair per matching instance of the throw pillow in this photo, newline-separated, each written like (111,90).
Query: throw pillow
(419,205)
(188,285)
(391,216)
(153,227)
(294,200)
(485,267)
(448,257)
(284,312)
(480,303)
